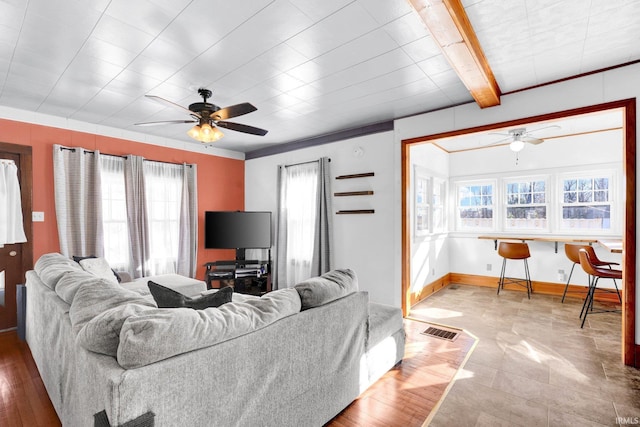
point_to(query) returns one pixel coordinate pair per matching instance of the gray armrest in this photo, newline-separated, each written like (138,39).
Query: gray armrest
(126,277)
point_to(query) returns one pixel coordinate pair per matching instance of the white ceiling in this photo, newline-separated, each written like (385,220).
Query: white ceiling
(549,130)
(310,67)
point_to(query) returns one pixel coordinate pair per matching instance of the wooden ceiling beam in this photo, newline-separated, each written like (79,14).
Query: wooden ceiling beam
(449,26)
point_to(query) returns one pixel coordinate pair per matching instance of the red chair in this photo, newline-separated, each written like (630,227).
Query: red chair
(596,273)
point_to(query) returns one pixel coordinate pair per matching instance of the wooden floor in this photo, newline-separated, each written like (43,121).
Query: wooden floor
(23,398)
(404,396)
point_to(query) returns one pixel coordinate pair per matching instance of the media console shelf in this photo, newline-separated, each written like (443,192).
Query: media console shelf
(245,276)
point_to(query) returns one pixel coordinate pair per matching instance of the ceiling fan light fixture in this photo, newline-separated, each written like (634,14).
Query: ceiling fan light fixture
(516,145)
(205,133)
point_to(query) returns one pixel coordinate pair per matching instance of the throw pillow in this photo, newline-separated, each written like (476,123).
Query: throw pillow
(80,258)
(98,267)
(332,285)
(168,298)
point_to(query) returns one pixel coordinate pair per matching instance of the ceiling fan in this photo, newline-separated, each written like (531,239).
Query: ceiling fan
(518,137)
(209,117)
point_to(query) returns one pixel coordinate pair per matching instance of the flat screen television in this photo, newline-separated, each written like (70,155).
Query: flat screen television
(237,230)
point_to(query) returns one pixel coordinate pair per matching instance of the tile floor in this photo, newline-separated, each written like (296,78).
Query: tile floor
(533,365)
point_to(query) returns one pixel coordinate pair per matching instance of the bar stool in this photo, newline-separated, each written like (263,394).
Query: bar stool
(573,253)
(596,273)
(513,250)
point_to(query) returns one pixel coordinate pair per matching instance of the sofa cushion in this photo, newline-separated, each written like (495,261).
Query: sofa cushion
(168,298)
(330,286)
(101,334)
(98,266)
(51,267)
(71,281)
(92,299)
(158,334)
(384,321)
(185,285)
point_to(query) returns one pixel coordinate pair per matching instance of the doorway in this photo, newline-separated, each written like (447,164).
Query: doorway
(16,259)
(628,236)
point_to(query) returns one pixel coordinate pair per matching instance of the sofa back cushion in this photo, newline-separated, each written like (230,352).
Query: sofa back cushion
(158,334)
(71,281)
(51,267)
(98,311)
(330,286)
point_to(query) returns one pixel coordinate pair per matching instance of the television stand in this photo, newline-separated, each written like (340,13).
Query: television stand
(244,276)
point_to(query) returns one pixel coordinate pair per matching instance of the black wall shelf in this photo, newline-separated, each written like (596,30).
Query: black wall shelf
(356,175)
(355,193)
(355,211)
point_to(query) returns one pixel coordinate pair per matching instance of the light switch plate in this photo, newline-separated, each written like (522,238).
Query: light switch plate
(37,216)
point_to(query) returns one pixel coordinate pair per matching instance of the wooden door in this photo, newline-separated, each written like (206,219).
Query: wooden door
(16,259)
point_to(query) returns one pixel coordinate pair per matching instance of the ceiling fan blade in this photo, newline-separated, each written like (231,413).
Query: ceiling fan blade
(531,140)
(173,104)
(546,127)
(165,122)
(242,128)
(233,111)
(498,142)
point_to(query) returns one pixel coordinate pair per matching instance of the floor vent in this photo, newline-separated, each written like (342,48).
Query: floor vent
(443,334)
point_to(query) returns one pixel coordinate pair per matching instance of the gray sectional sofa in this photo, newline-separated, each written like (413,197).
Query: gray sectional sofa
(108,356)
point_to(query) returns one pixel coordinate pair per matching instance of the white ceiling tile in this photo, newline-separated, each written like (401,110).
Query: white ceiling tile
(308,72)
(384,11)
(407,29)
(122,35)
(283,57)
(361,49)
(434,65)
(11,17)
(377,66)
(318,10)
(422,49)
(343,26)
(142,14)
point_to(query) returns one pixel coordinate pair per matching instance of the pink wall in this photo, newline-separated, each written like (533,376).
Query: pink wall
(220,180)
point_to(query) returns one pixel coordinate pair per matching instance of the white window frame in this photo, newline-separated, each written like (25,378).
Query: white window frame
(613,195)
(529,224)
(429,211)
(493,206)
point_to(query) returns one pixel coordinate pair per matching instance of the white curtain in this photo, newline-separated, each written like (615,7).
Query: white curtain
(11,226)
(76,176)
(163,198)
(304,222)
(114,214)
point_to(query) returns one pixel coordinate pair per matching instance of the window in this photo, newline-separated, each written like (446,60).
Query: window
(298,216)
(429,203)
(475,206)
(438,196)
(163,189)
(587,202)
(114,213)
(421,207)
(526,204)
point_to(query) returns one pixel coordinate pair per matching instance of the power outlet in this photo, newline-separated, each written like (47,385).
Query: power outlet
(489,267)
(561,276)
(37,216)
